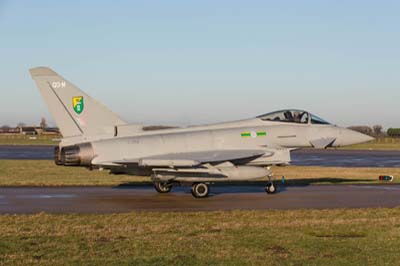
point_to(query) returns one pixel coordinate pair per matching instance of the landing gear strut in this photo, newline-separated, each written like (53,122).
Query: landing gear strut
(162,187)
(200,190)
(270,188)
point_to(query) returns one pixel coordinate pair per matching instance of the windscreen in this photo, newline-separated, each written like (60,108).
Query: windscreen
(319,121)
(289,116)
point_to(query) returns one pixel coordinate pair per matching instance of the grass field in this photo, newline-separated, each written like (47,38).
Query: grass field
(312,237)
(45,173)
(378,144)
(300,237)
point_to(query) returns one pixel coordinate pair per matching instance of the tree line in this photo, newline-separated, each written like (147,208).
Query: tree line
(377,131)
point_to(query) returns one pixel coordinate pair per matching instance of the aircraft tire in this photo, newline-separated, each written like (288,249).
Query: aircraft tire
(270,188)
(200,190)
(162,187)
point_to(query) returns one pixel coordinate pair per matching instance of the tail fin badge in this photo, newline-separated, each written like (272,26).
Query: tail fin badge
(78,104)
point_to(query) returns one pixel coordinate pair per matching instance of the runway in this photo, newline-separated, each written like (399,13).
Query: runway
(22,152)
(306,157)
(346,158)
(144,198)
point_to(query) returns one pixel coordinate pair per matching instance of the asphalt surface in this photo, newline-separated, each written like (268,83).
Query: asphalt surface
(308,157)
(16,152)
(346,158)
(144,198)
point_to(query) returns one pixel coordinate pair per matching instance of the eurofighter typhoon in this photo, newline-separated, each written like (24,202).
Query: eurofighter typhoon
(96,138)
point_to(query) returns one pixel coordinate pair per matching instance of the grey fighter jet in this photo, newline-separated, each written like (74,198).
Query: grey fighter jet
(96,138)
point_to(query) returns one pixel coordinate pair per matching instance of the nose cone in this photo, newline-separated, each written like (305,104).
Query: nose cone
(351,137)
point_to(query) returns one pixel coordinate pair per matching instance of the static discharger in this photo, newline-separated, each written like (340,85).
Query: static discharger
(386,178)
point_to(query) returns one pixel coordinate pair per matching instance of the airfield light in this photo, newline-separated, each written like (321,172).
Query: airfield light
(387,178)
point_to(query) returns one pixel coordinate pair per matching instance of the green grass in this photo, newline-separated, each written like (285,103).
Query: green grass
(378,144)
(312,237)
(46,173)
(28,140)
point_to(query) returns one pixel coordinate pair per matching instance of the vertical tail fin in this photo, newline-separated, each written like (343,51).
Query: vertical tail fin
(75,112)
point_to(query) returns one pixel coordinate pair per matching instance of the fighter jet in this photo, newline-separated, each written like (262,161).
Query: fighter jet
(96,138)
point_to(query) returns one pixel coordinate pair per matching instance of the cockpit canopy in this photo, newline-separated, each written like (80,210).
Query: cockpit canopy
(293,116)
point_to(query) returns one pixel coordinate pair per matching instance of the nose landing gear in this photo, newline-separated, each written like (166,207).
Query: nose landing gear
(270,188)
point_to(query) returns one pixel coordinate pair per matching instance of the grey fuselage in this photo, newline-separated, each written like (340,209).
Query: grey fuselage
(279,137)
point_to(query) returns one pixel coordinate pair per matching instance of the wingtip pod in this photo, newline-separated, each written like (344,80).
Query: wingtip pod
(42,71)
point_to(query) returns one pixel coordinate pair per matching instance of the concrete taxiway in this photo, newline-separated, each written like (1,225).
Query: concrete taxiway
(143,198)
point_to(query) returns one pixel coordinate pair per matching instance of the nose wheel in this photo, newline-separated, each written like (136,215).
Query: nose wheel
(200,190)
(270,188)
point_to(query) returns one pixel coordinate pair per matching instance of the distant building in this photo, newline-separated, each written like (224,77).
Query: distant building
(51,131)
(9,130)
(29,130)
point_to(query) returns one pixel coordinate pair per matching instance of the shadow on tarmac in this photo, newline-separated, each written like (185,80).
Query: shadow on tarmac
(250,186)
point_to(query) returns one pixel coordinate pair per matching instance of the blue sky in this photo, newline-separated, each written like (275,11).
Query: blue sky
(180,62)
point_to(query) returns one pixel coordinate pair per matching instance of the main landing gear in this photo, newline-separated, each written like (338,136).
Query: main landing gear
(199,190)
(202,190)
(162,187)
